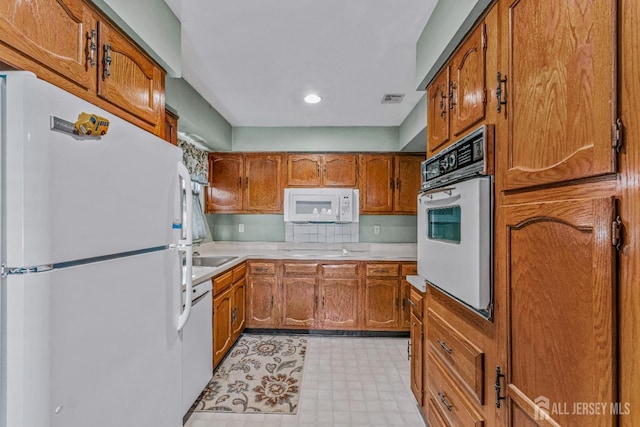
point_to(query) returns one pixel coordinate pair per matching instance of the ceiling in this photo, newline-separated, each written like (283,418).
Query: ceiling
(255,60)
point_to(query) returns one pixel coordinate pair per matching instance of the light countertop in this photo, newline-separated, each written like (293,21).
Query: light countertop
(298,251)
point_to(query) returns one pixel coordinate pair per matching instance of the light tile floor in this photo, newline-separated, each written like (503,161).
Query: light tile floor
(347,381)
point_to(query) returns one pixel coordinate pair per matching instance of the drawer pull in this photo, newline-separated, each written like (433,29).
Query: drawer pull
(261,269)
(446,404)
(411,302)
(444,346)
(381,270)
(408,349)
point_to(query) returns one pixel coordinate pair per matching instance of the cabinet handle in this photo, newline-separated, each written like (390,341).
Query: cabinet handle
(261,269)
(246,182)
(442,109)
(444,346)
(324,170)
(499,91)
(412,303)
(408,349)
(107,60)
(91,57)
(318,169)
(452,87)
(391,183)
(323,302)
(443,399)
(380,270)
(398,184)
(239,182)
(271,302)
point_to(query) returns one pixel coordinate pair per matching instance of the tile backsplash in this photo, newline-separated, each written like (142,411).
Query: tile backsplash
(271,228)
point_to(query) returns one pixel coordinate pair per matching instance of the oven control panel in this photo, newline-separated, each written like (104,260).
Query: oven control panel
(465,158)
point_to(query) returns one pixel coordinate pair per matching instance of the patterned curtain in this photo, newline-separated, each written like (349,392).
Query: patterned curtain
(196,161)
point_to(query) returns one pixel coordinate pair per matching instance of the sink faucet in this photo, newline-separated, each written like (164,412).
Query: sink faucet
(196,253)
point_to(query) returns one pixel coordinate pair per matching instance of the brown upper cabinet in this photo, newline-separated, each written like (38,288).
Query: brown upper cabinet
(70,44)
(248,183)
(170,127)
(322,170)
(560,96)
(457,96)
(389,184)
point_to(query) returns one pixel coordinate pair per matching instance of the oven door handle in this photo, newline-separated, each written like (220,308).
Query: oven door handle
(448,190)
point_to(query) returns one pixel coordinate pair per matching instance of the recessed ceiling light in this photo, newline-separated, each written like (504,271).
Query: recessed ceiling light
(312,99)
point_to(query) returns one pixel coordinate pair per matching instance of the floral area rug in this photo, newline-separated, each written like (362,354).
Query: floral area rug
(260,374)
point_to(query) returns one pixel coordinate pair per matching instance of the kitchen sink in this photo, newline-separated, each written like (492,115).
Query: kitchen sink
(212,261)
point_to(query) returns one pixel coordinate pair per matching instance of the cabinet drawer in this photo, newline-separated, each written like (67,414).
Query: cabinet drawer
(434,416)
(258,268)
(464,359)
(340,270)
(409,270)
(222,282)
(383,269)
(415,300)
(300,268)
(239,272)
(447,397)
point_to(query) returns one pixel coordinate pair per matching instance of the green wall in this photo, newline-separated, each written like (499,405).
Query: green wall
(270,228)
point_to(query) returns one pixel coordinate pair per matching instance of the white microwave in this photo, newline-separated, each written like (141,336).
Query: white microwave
(321,205)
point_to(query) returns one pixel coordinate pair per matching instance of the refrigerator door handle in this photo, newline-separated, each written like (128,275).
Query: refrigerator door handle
(187,217)
(185,244)
(183,318)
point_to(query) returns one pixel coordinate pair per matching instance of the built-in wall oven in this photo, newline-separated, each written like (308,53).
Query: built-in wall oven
(455,221)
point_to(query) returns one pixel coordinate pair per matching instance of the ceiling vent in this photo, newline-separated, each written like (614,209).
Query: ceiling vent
(392,98)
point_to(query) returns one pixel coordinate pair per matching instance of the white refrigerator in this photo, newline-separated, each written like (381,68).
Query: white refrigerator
(92,235)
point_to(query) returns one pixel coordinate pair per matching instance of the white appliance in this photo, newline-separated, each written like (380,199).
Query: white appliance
(197,349)
(455,222)
(321,205)
(91,239)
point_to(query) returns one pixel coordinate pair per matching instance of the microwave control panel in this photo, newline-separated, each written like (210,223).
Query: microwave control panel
(346,210)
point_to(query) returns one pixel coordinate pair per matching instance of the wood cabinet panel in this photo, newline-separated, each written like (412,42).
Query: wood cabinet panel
(261,268)
(262,310)
(376,183)
(222,281)
(170,127)
(448,398)
(300,268)
(561,82)
(459,354)
(340,170)
(128,78)
(438,113)
(560,305)
(299,301)
(467,73)
(239,272)
(382,270)
(59,39)
(416,334)
(226,172)
(264,181)
(238,320)
(339,303)
(408,183)
(304,170)
(382,303)
(339,270)
(222,327)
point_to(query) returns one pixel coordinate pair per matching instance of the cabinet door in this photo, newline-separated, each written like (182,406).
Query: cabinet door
(170,127)
(224,193)
(222,328)
(560,310)
(340,170)
(438,113)
(54,33)
(468,87)
(382,301)
(128,78)
(561,91)
(238,310)
(376,183)
(263,183)
(262,294)
(408,183)
(339,303)
(304,170)
(416,336)
(299,301)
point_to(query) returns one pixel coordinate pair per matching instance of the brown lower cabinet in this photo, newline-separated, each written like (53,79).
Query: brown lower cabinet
(313,294)
(228,310)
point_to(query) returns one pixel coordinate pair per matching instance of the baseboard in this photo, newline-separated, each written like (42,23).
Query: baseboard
(325,332)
